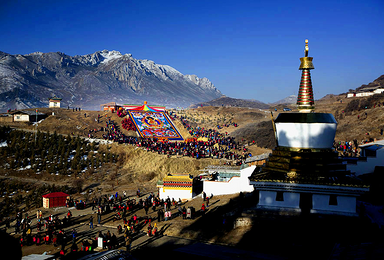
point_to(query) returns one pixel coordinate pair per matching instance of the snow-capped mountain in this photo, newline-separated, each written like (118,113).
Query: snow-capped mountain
(288,100)
(90,80)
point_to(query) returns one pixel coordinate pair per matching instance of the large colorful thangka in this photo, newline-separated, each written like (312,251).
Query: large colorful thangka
(151,123)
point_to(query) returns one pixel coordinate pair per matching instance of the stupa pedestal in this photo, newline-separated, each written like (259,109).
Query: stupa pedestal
(304,173)
(305,130)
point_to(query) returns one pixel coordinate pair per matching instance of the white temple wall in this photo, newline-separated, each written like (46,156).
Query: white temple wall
(364,94)
(234,185)
(268,199)
(306,135)
(175,193)
(345,204)
(54,104)
(20,118)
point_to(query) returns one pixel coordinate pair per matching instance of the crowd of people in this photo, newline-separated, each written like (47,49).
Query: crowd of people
(60,232)
(215,145)
(347,148)
(49,230)
(350,148)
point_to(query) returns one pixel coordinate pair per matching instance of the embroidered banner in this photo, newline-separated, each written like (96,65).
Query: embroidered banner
(154,125)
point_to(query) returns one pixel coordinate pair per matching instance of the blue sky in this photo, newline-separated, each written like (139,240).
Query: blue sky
(248,49)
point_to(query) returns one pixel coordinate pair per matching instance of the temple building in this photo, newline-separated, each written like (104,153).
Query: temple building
(54,102)
(180,186)
(303,173)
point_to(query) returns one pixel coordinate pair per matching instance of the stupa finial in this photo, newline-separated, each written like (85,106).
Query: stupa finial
(305,101)
(306,62)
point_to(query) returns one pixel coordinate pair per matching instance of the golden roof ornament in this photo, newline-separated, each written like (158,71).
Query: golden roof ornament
(306,62)
(305,101)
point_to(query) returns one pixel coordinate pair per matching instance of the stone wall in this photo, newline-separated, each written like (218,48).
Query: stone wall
(6,119)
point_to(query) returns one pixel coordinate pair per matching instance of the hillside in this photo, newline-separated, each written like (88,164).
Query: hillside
(124,167)
(358,118)
(84,81)
(233,102)
(353,123)
(377,83)
(251,124)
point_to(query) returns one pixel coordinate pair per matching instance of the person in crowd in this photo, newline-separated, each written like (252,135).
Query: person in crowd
(91,222)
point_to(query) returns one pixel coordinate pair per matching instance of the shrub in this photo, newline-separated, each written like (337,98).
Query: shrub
(78,184)
(354,105)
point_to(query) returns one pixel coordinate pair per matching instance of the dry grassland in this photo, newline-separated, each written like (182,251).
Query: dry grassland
(142,167)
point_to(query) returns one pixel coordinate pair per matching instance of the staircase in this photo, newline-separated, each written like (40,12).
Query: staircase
(366,164)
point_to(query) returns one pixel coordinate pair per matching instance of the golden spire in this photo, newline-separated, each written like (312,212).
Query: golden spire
(305,101)
(306,62)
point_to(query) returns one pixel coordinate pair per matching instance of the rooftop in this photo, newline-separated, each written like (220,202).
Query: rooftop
(257,158)
(55,98)
(377,143)
(28,112)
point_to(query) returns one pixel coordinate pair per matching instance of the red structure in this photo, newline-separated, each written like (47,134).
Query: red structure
(54,199)
(111,106)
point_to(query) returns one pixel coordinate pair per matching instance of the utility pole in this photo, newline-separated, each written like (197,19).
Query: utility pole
(36,127)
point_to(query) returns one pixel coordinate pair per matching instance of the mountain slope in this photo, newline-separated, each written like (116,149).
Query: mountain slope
(89,80)
(377,83)
(234,102)
(288,100)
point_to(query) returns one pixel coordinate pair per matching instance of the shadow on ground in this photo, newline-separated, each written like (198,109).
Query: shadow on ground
(288,236)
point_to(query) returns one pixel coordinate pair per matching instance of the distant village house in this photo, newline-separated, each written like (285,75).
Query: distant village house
(27,116)
(54,102)
(366,93)
(111,106)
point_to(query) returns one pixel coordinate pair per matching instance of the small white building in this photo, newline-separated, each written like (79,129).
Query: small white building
(20,116)
(54,102)
(178,187)
(27,116)
(228,180)
(366,93)
(373,153)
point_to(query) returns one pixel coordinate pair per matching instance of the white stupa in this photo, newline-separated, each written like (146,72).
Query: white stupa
(304,173)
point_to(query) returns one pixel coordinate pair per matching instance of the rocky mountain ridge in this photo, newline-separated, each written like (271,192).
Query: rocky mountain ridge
(233,102)
(89,80)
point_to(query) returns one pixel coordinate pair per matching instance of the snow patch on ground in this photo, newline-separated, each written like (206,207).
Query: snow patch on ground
(38,122)
(25,168)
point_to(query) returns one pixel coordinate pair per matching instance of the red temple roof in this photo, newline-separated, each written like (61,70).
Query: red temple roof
(55,195)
